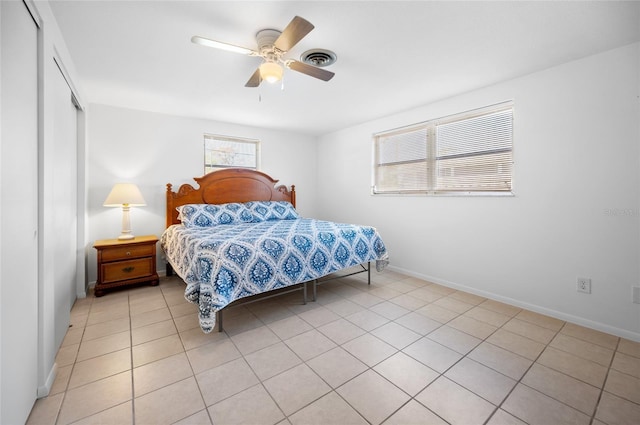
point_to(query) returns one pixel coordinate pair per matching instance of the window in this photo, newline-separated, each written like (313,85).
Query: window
(468,153)
(226,152)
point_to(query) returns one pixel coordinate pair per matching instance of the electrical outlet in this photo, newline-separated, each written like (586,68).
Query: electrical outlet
(584,285)
(636,294)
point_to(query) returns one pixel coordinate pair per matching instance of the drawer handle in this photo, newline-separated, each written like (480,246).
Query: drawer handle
(128,269)
(128,253)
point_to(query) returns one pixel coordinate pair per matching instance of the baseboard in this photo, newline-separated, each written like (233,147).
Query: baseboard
(45,389)
(602,327)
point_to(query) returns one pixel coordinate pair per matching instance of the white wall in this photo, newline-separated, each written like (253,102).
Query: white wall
(575,212)
(152,149)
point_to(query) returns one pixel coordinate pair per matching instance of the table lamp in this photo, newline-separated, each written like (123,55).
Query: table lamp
(125,195)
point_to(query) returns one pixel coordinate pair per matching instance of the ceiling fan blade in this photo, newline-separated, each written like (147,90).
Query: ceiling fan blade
(293,33)
(255,79)
(220,45)
(312,71)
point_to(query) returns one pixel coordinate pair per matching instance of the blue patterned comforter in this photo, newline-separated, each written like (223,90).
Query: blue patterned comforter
(224,263)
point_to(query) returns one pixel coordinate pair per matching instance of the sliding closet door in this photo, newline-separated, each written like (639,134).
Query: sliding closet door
(65,211)
(19,213)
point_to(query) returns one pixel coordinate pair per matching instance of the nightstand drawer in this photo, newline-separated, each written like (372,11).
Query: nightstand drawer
(125,252)
(125,270)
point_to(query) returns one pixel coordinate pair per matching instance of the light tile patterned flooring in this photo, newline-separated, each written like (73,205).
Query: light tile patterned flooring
(402,351)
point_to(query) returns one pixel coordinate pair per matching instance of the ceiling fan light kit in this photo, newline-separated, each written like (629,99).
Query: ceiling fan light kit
(271,72)
(273,46)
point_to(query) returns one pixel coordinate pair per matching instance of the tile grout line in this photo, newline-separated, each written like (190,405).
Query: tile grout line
(411,397)
(332,390)
(133,387)
(368,368)
(261,382)
(461,358)
(206,408)
(73,365)
(547,345)
(64,393)
(440,374)
(604,383)
(519,381)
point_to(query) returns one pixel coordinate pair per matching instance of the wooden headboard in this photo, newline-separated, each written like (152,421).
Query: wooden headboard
(227,185)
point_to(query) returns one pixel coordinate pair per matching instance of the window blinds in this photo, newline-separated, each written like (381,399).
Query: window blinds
(474,154)
(402,161)
(224,151)
(469,152)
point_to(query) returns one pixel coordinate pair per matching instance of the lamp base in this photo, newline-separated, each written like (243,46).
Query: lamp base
(125,233)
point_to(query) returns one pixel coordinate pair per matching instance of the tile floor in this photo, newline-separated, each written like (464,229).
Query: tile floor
(402,351)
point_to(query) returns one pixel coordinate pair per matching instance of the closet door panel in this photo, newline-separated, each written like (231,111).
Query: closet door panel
(64,204)
(19,214)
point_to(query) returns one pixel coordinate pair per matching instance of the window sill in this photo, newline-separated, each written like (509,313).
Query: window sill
(448,194)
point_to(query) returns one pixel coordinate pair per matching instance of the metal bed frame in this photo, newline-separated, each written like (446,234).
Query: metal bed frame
(320,281)
(301,287)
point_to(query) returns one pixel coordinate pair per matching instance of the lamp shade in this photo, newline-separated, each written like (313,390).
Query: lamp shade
(271,72)
(124,194)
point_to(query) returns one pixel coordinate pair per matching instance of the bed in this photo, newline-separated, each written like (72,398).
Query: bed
(238,235)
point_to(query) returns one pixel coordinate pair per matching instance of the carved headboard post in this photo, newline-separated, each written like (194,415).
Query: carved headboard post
(293,195)
(169,205)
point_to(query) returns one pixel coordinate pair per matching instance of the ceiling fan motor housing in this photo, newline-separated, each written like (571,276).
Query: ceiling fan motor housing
(266,38)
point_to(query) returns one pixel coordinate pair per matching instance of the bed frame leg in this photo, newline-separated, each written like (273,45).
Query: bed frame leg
(169,270)
(304,293)
(219,320)
(315,287)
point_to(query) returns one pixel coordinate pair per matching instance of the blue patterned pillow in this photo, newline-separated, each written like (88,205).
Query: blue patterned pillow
(209,215)
(272,210)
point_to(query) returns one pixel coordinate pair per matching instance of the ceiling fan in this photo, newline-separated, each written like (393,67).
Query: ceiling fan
(272,46)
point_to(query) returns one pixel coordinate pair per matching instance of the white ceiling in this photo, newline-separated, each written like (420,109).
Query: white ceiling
(392,55)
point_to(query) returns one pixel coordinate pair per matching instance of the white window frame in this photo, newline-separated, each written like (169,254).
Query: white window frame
(415,153)
(249,159)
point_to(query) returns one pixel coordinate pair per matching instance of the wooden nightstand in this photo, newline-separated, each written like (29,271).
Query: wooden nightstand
(123,263)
